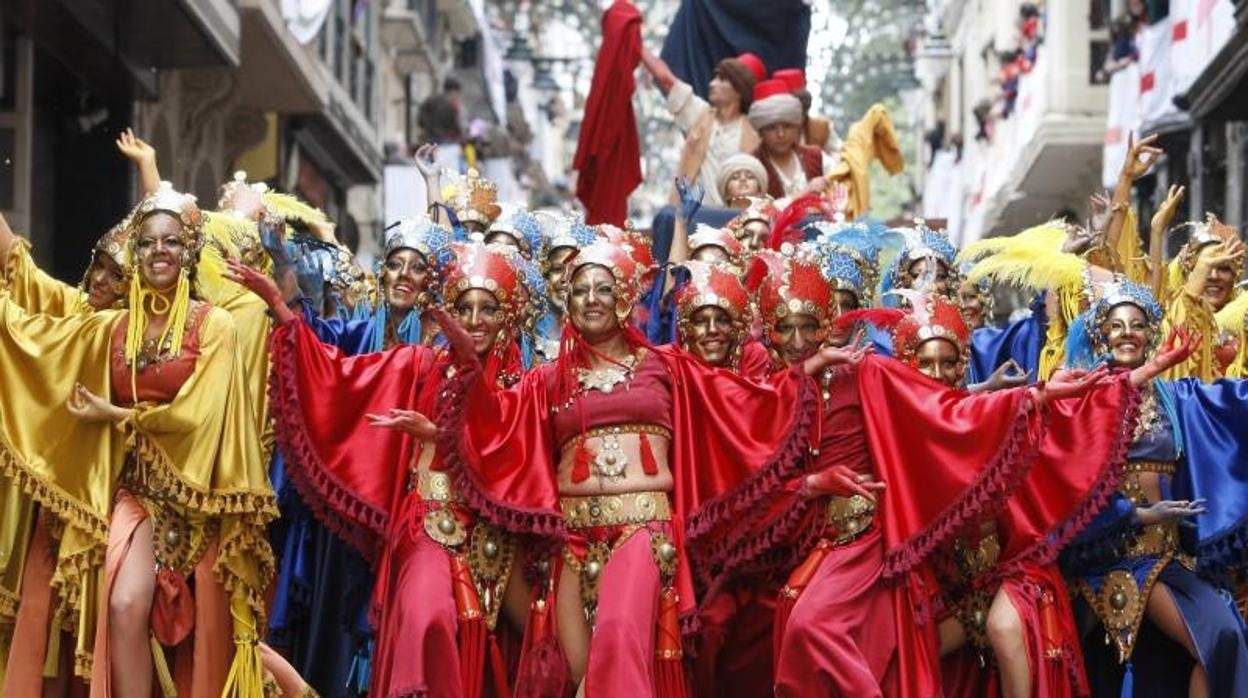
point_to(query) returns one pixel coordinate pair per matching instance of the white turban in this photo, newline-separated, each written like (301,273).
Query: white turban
(776,109)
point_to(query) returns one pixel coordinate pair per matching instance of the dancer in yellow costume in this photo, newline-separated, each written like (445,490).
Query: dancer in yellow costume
(161,481)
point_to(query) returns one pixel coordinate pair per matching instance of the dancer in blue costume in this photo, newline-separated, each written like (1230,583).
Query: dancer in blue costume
(320,608)
(1155,624)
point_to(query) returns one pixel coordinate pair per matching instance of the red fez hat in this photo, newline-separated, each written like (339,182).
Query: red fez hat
(793,77)
(769,88)
(755,64)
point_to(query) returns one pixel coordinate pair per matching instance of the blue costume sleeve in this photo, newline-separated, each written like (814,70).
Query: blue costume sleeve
(1213,419)
(1021,340)
(351,336)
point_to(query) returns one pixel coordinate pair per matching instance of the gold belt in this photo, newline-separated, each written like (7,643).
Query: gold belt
(615,509)
(1149,466)
(617,430)
(431,486)
(850,517)
(1155,540)
(974,560)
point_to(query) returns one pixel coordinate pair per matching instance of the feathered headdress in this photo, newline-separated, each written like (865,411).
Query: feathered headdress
(1087,343)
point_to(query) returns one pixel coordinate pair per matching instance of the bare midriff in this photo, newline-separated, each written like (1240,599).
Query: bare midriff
(634,477)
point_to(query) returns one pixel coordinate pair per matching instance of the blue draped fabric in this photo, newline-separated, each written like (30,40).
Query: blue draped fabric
(1197,430)
(1213,419)
(704,32)
(320,602)
(1020,340)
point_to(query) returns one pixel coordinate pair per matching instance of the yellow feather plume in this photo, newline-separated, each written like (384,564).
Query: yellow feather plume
(1031,269)
(1040,239)
(1231,317)
(290,208)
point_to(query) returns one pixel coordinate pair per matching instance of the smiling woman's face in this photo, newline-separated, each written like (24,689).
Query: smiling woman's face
(1127,333)
(160,251)
(404,276)
(592,302)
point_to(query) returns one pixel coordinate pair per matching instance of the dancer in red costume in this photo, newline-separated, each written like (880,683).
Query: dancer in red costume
(628,439)
(848,633)
(444,552)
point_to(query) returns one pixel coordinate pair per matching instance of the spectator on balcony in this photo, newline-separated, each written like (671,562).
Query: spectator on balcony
(715,128)
(441,118)
(1122,51)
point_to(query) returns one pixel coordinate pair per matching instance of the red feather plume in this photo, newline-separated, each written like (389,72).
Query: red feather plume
(883,318)
(756,275)
(784,227)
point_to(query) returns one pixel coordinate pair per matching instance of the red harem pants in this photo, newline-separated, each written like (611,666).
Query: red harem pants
(839,639)
(417,636)
(623,641)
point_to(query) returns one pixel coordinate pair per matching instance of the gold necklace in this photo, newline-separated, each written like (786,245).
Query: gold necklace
(605,378)
(1149,415)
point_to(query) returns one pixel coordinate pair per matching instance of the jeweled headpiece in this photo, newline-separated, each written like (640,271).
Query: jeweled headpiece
(488,267)
(623,268)
(473,198)
(709,236)
(1211,231)
(789,285)
(113,243)
(929,317)
(418,233)
(177,204)
(521,225)
(715,286)
(922,242)
(761,209)
(636,245)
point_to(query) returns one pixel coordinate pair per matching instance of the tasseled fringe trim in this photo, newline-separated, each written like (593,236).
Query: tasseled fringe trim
(450,443)
(789,461)
(770,547)
(1218,557)
(245,563)
(166,479)
(65,507)
(984,497)
(1046,548)
(246,677)
(332,503)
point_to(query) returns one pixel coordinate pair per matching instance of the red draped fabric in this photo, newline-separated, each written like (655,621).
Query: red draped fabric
(319,398)
(608,154)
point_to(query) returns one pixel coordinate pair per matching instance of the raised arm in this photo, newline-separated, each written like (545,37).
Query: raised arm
(143,155)
(428,167)
(1157,236)
(659,70)
(1141,156)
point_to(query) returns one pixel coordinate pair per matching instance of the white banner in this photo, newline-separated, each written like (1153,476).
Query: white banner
(1156,87)
(1199,29)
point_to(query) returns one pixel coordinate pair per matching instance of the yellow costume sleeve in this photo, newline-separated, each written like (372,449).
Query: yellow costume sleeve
(33,290)
(1196,315)
(202,452)
(236,239)
(1131,254)
(65,464)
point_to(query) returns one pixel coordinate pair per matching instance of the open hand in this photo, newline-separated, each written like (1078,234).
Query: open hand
(89,407)
(1169,510)
(255,281)
(840,481)
(849,355)
(1066,384)
(410,421)
(1100,211)
(135,149)
(1179,346)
